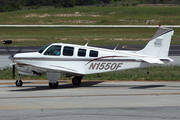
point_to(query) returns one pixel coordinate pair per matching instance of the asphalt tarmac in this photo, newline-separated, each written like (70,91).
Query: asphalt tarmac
(91,100)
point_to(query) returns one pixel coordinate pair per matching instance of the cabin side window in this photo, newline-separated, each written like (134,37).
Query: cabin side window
(53,50)
(68,51)
(82,52)
(93,53)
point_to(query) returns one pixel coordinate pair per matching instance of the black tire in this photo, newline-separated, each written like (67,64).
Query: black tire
(19,83)
(54,85)
(76,81)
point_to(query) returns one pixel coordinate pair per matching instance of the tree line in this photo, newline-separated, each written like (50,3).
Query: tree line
(12,5)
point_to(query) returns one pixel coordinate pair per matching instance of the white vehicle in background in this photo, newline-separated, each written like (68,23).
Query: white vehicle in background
(76,60)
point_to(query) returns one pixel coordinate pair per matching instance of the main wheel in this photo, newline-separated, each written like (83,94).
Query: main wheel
(76,81)
(53,85)
(19,83)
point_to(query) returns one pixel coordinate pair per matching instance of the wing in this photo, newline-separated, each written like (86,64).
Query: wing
(42,69)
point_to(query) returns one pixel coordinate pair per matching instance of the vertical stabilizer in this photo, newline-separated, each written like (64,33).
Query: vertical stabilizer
(159,45)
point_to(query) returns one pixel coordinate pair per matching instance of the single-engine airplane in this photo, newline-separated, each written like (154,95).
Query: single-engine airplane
(77,60)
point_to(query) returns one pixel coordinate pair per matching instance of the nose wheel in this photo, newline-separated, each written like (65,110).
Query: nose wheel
(19,82)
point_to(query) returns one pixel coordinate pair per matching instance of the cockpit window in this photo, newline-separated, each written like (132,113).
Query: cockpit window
(53,50)
(43,48)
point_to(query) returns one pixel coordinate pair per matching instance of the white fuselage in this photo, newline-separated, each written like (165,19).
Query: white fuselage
(105,61)
(77,60)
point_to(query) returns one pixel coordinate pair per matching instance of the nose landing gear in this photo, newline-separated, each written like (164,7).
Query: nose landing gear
(19,82)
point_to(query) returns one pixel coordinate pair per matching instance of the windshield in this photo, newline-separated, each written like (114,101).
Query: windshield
(43,48)
(53,50)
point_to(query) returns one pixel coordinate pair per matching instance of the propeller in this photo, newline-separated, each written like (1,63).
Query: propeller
(6,42)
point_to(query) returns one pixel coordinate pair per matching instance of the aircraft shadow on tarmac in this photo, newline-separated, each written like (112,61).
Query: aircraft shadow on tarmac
(85,84)
(61,86)
(147,86)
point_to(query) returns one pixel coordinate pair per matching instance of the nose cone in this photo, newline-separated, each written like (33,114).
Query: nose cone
(11,57)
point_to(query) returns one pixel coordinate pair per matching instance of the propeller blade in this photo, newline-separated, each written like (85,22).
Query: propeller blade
(20,49)
(13,66)
(12,56)
(9,51)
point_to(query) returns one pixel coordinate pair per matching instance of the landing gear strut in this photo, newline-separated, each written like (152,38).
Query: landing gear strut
(76,80)
(53,85)
(19,82)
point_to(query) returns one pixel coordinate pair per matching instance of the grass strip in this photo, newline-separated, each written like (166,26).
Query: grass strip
(112,15)
(97,36)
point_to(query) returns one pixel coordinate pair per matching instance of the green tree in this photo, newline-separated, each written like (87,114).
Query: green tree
(50,2)
(19,6)
(69,3)
(85,2)
(13,5)
(32,7)
(38,5)
(161,1)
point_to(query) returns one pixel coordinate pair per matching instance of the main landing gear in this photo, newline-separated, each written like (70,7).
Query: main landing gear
(76,80)
(19,82)
(53,85)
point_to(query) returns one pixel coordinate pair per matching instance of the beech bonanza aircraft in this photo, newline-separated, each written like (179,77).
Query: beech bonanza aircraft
(77,60)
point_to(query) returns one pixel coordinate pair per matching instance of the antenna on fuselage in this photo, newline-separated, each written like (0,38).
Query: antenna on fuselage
(116,47)
(87,43)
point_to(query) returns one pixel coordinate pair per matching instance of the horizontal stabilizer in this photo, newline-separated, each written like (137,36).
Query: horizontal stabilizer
(152,60)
